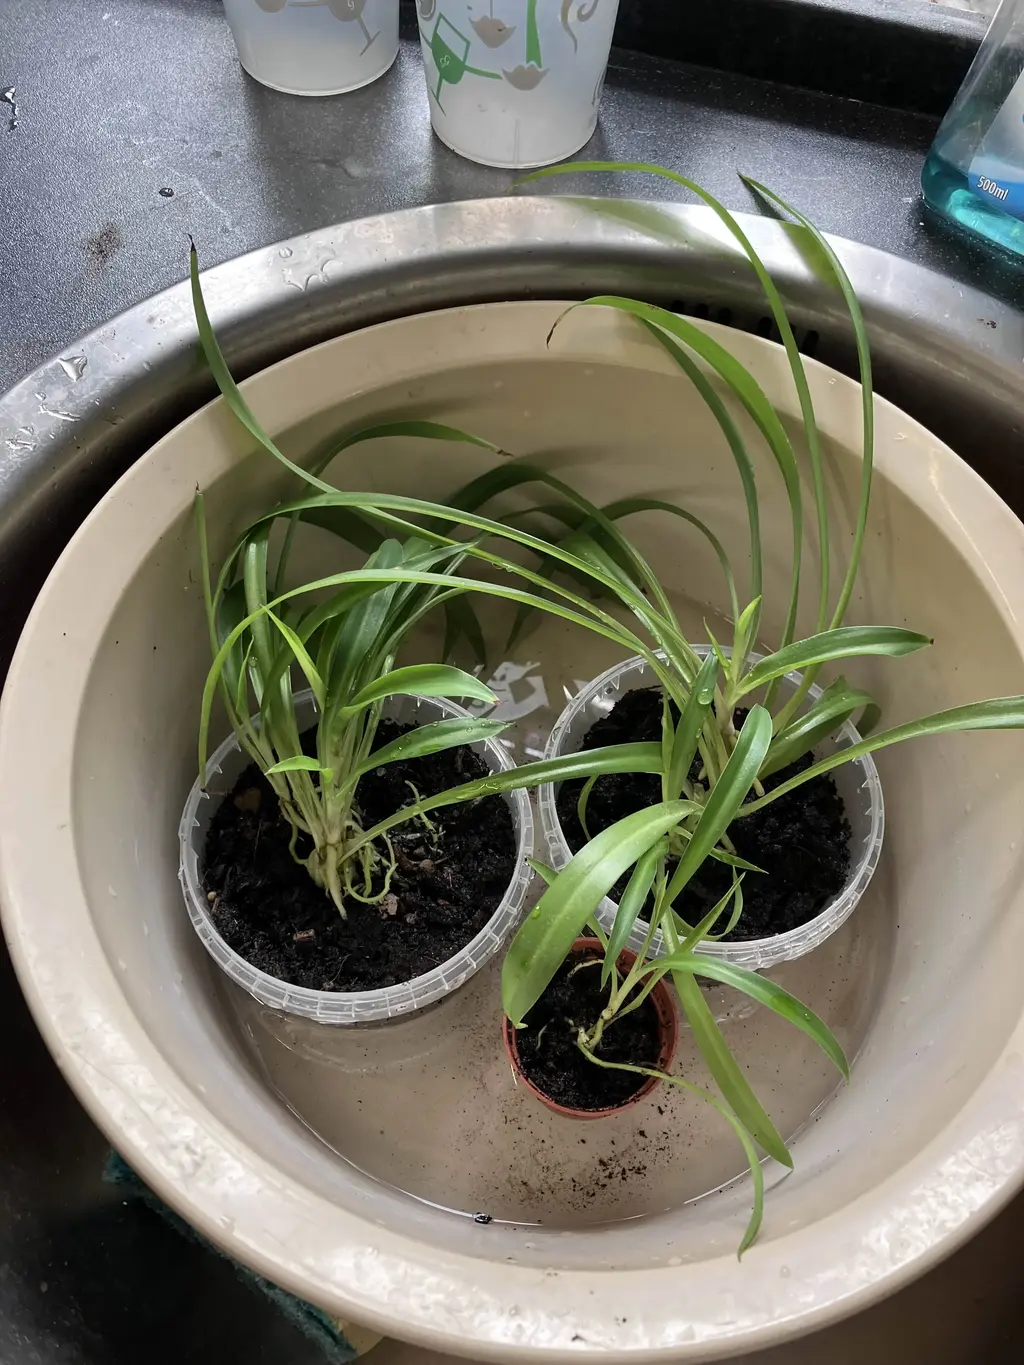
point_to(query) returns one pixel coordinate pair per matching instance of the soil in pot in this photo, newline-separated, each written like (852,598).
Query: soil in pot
(547,1051)
(448,882)
(802,840)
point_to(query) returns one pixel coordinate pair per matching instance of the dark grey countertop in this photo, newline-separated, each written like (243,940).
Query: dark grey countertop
(120,99)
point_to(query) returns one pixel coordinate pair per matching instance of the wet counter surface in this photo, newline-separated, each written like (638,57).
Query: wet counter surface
(136,127)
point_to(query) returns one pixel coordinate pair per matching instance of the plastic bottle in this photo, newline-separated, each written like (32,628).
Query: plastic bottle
(974,173)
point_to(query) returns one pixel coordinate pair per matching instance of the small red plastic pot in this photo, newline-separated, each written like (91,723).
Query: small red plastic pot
(660,997)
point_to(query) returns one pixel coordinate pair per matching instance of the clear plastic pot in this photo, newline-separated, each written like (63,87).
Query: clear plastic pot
(857,782)
(357,1007)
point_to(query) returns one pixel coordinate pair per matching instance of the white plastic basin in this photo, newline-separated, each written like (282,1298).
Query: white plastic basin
(97,753)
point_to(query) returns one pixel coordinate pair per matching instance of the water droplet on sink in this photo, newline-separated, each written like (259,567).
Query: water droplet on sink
(10,96)
(74,366)
(284,252)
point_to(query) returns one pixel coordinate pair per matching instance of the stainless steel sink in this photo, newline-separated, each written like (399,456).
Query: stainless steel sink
(946,354)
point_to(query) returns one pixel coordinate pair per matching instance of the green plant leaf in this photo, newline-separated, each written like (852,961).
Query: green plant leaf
(836,704)
(750,394)
(357,643)
(587,613)
(421,680)
(737,446)
(230,610)
(462,622)
(749,1150)
(725,798)
(581,804)
(431,738)
(731,860)
(302,657)
(630,904)
(845,642)
(734,918)
(548,933)
(1000,713)
(600,522)
(544,872)
(598,626)
(743,638)
(765,992)
(824,253)
(726,1071)
(421,430)
(691,722)
(344,523)
(299,764)
(781,320)
(703,929)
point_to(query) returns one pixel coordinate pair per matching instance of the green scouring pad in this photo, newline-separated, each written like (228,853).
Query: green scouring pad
(340,1342)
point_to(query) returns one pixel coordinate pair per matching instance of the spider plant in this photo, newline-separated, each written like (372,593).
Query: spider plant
(345,648)
(711,773)
(342,633)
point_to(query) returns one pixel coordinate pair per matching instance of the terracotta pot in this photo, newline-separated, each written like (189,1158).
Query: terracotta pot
(660,998)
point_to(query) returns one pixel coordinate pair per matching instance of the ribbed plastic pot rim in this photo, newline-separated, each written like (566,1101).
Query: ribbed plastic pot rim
(340,1008)
(867,824)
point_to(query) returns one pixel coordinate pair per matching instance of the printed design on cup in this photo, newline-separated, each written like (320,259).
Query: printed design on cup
(492,30)
(583,13)
(347,11)
(450,48)
(528,77)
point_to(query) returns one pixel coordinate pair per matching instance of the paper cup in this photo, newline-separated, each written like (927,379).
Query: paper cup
(314,47)
(515,83)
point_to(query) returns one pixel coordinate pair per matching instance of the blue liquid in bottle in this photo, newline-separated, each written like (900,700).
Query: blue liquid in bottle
(974,173)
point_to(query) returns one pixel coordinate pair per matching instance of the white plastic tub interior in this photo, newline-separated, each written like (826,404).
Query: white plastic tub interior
(857,783)
(342,1008)
(97,754)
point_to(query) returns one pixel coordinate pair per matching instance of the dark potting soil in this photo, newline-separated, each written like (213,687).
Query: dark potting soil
(446,886)
(547,1047)
(802,840)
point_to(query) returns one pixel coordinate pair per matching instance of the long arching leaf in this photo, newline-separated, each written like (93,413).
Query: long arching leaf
(725,797)
(765,992)
(546,936)
(1000,713)
(846,642)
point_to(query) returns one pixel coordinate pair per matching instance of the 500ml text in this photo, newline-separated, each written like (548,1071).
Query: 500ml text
(990,187)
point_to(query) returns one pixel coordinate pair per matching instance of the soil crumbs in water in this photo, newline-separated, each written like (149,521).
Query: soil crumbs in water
(547,1047)
(445,888)
(802,840)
